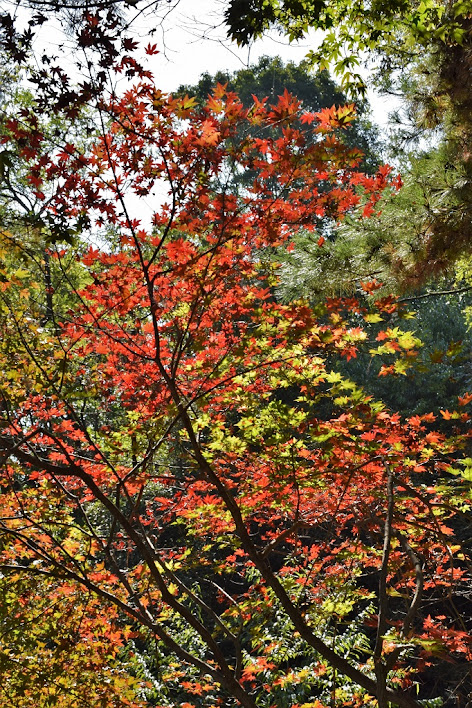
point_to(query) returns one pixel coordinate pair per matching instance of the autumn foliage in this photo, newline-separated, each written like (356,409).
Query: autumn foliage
(181,445)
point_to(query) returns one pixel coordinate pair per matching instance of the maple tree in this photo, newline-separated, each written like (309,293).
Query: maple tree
(180,445)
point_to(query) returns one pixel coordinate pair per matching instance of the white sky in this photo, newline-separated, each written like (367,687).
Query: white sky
(192,40)
(195,42)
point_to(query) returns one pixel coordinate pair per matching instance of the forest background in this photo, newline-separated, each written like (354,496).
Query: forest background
(235,435)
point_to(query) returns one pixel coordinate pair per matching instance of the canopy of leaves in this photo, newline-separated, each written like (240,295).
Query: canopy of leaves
(395,30)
